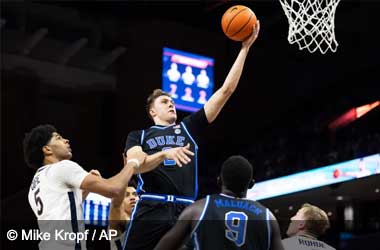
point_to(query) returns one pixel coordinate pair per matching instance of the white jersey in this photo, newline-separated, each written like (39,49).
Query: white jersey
(56,200)
(304,243)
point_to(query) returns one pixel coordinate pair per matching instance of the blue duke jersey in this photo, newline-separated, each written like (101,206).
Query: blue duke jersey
(168,178)
(231,223)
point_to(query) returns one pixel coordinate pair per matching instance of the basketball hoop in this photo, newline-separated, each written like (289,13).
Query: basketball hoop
(311,24)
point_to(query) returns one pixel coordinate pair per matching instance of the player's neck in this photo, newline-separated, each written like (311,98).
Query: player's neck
(230,193)
(50,160)
(161,122)
(307,235)
(126,214)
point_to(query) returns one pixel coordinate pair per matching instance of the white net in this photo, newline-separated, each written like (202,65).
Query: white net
(311,24)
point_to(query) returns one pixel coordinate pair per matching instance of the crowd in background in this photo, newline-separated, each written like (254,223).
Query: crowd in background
(307,144)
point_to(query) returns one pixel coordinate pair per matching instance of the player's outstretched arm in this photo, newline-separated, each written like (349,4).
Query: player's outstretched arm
(115,185)
(179,154)
(276,243)
(216,102)
(116,220)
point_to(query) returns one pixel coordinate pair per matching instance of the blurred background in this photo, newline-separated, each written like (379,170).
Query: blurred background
(87,67)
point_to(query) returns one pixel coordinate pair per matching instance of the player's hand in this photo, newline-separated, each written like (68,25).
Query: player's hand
(255,33)
(95,172)
(179,154)
(138,155)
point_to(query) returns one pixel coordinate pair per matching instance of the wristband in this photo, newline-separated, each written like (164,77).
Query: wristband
(135,161)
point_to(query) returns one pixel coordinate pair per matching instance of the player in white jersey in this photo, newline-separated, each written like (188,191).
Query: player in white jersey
(305,227)
(57,189)
(120,215)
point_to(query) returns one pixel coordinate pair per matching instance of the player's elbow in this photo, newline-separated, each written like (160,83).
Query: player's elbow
(114,191)
(227,91)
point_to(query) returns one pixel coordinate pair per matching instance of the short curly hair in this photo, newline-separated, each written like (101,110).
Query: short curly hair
(236,173)
(33,142)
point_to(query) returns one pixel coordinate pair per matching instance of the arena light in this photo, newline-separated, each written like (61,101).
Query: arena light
(314,178)
(362,110)
(343,120)
(352,115)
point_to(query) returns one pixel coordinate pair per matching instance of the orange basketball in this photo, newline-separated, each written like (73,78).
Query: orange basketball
(237,22)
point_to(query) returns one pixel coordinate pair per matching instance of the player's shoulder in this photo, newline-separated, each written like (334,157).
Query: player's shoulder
(289,240)
(67,163)
(290,243)
(201,201)
(259,205)
(135,132)
(296,242)
(62,166)
(194,211)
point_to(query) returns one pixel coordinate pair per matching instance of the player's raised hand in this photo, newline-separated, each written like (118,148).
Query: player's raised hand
(179,154)
(250,40)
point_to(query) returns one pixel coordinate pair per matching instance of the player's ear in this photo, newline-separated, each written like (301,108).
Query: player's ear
(301,225)
(251,184)
(219,182)
(47,150)
(152,112)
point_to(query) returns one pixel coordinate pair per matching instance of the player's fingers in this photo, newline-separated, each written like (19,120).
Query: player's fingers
(141,157)
(181,158)
(188,152)
(124,158)
(257,28)
(178,162)
(184,158)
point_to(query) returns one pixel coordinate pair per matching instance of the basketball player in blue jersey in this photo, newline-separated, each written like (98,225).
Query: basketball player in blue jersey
(57,189)
(227,220)
(168,178)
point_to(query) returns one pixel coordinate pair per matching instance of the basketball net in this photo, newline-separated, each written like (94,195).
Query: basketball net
(311,24)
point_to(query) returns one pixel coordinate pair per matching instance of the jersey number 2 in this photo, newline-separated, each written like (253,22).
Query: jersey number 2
(39,204)
(168,162)
(236,227)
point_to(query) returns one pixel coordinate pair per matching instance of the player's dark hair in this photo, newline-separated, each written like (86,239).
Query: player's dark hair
(33,143)
(133,182)
(152,97)
(236,174)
